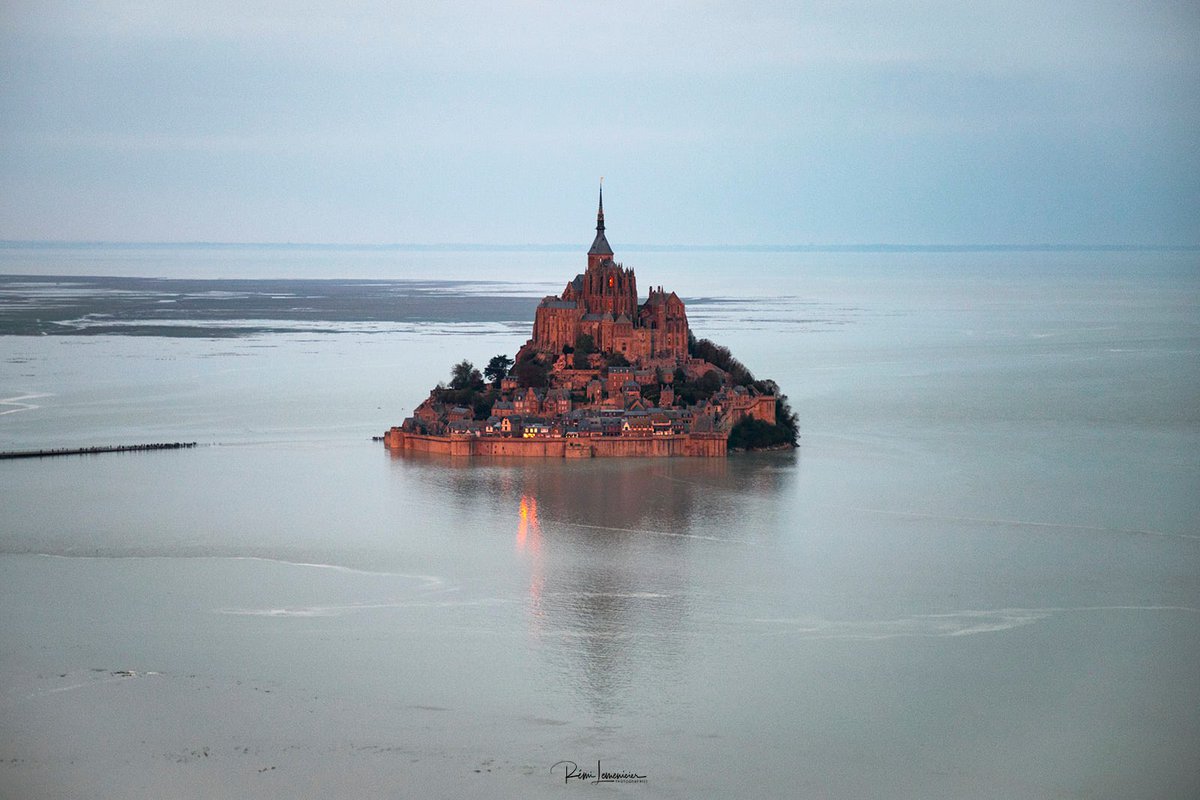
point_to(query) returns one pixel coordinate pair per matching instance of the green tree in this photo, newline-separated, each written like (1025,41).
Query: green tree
(754,434)
(786,419)
(720,356)
(463,375)
(483,402)
(616,359)
(691,393)
(530,371)
(497,368)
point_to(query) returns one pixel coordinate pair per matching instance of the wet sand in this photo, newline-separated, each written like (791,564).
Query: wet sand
(93,306)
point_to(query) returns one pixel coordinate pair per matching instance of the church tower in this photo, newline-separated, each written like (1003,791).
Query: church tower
(603,303)
(608,288)
(600,250)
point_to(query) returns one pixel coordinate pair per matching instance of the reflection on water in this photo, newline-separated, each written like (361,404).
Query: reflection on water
(529,541)
(674,498)
(958,583)
(528,523)
(616,554)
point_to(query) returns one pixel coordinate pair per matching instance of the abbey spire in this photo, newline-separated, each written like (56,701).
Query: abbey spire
(600,244)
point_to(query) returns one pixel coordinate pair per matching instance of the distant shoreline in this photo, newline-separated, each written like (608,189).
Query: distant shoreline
(466,247)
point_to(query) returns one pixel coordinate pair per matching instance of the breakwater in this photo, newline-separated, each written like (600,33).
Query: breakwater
(87,451)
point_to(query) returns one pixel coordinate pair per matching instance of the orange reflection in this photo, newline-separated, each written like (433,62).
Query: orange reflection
(528,530)
(529,538)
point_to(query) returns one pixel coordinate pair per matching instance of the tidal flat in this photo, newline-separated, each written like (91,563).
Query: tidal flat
(977,577)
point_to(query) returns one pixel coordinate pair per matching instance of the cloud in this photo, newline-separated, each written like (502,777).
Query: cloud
(828,113)
(630,35)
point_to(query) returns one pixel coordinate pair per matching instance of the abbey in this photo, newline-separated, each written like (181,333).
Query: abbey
(601,376)
(602,304)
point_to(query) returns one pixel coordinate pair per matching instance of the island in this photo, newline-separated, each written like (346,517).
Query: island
(602,375)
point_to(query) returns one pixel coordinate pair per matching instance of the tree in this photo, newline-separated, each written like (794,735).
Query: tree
(463,375)
(719,356)
(586,343)
(531,372)
(616,359)
(786,419)
(754,434)
(482,406)
(498,367)
(693,392)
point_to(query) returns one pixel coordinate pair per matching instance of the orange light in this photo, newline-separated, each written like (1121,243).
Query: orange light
(529,539)
(527,525)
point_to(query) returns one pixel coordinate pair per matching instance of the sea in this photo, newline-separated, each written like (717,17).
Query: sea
(977,577)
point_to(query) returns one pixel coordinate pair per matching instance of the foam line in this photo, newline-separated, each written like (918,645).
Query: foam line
(615,595)
(430,581)
(114,678)
(1017,522)
(655,533)
(951,624)
(20,406)
(930,626)
(339,610)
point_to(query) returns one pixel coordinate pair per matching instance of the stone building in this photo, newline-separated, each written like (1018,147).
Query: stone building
(602,303)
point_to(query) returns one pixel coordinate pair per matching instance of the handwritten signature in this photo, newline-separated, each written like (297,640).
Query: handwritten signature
(571,771)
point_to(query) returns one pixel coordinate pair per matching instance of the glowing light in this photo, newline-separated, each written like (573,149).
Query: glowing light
(529,537)
(528,530)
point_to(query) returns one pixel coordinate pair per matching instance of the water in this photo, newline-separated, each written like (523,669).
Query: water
(976,578)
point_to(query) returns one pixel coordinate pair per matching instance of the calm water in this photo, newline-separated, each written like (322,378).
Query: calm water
(978,577)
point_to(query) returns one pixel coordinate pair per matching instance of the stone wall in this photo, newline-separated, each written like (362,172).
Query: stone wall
(698,445)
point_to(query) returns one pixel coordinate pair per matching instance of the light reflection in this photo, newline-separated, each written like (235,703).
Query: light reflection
(608,579)
(529,539)
(528,530)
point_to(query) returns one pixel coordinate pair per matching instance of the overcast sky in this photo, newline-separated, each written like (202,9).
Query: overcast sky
(713,123)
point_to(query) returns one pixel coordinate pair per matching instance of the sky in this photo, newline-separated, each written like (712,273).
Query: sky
(712,123)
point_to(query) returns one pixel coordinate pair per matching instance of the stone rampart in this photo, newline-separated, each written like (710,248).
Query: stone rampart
(697,445)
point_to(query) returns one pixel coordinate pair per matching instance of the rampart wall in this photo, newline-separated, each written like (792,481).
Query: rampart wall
(699,445)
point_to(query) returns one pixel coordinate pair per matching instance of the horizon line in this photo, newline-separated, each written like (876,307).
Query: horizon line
(861,247)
